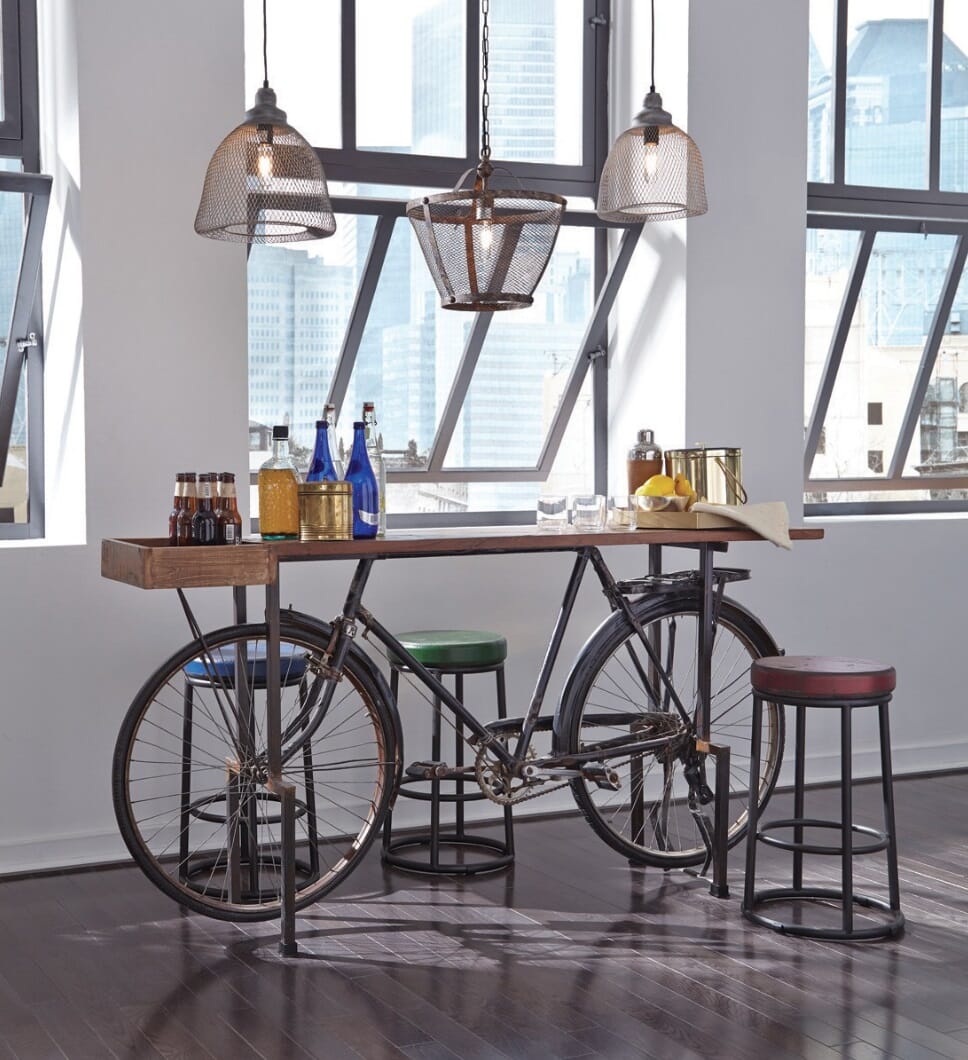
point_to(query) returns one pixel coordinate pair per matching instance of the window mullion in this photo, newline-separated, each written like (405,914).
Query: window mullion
(928,356)
(360,312)
(935,57)
(840,92)
(836,352)
(458,391)
(473,83)
(594,339)
(348,75)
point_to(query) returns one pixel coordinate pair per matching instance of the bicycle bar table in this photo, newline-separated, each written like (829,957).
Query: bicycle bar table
(151,563)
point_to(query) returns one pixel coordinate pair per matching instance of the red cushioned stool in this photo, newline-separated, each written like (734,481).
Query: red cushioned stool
(806,681)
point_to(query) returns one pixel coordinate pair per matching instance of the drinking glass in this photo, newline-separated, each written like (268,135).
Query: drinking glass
(588,513)
(621,512)
(552,513)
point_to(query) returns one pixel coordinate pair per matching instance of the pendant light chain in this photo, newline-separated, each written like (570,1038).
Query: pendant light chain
(265,47)
(485,95)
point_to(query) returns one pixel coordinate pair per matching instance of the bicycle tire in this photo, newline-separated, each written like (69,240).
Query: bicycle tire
(648,818)
(176,750)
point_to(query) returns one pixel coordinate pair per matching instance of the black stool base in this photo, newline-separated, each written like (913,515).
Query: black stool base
(424,841)
(889,929)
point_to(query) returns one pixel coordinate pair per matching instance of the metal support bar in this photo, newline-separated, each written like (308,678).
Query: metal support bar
(939,325)
(458,390)
(836,352)
(356,324)
(935,54)
(719,884)
(840,91)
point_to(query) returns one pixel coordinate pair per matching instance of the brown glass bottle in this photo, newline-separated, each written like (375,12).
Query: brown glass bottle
(184,521)
(176,507)
(205,521)
(229,521)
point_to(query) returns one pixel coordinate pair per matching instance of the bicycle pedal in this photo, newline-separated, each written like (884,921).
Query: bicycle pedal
(606,779)
(426,770)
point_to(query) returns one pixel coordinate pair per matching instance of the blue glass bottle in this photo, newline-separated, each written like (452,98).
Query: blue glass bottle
(322,469)
(366,493)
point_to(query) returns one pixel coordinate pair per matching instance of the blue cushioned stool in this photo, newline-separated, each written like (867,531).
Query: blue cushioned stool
(452,653)
(220,673)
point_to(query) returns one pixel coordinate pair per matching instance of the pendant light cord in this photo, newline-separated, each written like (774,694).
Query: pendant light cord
(485,95)
(652,87)
(265,50)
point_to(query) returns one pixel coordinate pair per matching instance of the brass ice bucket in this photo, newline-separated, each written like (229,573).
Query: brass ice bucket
(716,474)
(325,511)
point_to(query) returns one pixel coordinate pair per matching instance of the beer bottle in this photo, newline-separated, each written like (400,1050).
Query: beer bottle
(184,521)
(176,508)
(204,520)
(229,520)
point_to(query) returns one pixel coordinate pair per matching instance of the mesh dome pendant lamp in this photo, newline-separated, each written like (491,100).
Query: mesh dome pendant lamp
(265,183)
(486,249)
(654,170)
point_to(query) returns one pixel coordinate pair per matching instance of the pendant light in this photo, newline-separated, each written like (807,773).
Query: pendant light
(265,183)
(654,170)
(486,249)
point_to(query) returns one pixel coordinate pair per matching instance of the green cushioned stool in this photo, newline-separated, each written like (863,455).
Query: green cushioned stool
(450,653)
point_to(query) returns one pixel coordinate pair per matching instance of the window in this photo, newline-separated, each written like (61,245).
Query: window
(475,410)
(24,195)
(887,243)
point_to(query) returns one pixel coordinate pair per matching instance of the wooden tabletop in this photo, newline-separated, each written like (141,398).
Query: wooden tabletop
(151,563)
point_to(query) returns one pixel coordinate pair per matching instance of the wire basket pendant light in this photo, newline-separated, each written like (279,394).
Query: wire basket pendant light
(486,248)
(654,170)
(265,183)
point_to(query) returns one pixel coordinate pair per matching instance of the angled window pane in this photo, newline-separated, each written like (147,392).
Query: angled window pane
(14,492)
(887,93)
(940,443)
(954,99)
(407,354)
(890,326)
(410,77)
(525,364)
(830,257)
(300,298)
(304,64)
(820,142)
(535,83)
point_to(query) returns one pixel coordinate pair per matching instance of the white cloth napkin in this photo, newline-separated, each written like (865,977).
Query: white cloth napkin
(770,520)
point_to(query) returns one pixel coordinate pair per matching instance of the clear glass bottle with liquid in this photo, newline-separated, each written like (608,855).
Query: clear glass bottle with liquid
(366,497)
(374,450)
(279,491)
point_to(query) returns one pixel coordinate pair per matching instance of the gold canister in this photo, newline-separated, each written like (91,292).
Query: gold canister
(325,511)
(716,474)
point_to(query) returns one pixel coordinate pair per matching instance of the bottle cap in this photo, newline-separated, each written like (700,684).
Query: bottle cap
(357,424)
(280,433)
(226,476)
(321,423)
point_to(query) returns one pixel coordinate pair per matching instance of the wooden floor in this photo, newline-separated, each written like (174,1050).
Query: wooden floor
(573,954)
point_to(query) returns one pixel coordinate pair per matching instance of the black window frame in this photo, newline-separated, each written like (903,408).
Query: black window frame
(20,139)
(349,164)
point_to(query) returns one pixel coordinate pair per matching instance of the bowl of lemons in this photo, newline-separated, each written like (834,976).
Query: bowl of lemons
(665,493)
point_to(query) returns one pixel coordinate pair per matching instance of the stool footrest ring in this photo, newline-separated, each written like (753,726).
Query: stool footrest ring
(422,841)
(810,894)
(881,840)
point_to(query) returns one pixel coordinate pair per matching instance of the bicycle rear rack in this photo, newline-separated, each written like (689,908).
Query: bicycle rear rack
(677,581)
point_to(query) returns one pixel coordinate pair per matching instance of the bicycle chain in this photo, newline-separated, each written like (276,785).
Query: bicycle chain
(481,764)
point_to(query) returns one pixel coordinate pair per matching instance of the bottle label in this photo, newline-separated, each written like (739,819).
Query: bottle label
(370,518)
(204,491)
(230,538)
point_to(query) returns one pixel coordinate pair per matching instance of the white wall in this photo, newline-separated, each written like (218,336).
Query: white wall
(162,372)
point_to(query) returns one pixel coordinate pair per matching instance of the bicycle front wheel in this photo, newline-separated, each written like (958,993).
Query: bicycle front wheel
(190,776)
(649,818)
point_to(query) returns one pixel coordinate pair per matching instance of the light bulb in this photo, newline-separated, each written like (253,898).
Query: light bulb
(264,164)
(650,137)
(487,237)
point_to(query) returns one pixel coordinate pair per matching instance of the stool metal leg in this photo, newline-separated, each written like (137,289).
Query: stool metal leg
(887,782)
(459,757)
(846,817)
(502,712)
(435,792)
(752,813)
(798,793)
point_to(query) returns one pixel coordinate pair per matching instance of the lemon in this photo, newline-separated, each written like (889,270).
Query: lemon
(657,486)
(683,486)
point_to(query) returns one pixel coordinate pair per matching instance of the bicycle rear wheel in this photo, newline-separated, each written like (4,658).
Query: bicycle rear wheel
(648,819)
(190,772)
